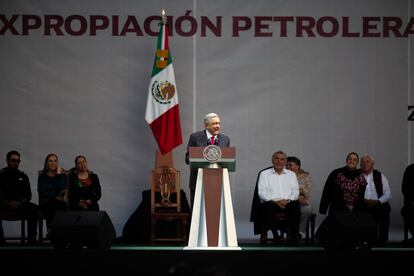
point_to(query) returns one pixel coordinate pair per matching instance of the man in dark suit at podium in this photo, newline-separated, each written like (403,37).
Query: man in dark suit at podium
(209,136)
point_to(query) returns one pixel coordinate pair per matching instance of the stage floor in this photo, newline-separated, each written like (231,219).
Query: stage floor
(252,259)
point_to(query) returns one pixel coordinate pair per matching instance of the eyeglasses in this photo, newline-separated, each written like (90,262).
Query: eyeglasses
(14,160)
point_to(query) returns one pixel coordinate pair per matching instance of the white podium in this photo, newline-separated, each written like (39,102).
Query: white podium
(212,222)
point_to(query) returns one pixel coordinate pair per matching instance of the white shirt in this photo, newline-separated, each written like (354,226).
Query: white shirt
(371,192)
(274,186)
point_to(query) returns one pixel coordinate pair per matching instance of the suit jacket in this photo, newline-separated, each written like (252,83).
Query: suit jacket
(255,212)
(199,139)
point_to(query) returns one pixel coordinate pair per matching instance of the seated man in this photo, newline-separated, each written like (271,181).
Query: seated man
(377,197)
(15,194)
(277,193)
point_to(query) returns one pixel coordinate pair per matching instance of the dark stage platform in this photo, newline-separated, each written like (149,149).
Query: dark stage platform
(252,259)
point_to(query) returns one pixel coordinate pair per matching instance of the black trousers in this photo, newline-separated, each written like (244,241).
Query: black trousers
(49,208)
(382,217)
(269,211)
(407,213)
(29,210)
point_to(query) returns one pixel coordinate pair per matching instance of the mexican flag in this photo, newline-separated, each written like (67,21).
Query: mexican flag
(163,113)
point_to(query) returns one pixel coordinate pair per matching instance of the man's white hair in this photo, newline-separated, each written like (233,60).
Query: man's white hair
(209,116)
(369,157)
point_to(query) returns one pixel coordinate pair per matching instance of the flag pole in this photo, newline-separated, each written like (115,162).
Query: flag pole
(162,111)
(163,160)
(163,17)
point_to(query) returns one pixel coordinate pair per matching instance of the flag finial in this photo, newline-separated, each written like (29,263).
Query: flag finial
(163,17)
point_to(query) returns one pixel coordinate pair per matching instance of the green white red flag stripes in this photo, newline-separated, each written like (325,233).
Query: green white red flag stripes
(163,113)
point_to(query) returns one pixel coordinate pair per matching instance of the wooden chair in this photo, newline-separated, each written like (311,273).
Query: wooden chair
(13,216)
(168,221)
(41,217)
(310,227)
(281,227)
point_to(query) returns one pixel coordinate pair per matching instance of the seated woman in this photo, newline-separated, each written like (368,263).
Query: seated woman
(344,190)
(84,187)
(305,184)
(52,185)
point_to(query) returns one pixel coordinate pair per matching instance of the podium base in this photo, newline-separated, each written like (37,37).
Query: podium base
(211,248)
(213,190)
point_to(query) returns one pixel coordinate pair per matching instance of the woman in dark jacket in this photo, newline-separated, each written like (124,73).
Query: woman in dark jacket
(84,187)
(347,225)
(344,189)
(52,188)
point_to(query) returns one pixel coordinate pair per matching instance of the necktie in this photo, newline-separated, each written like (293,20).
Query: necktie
(212,140)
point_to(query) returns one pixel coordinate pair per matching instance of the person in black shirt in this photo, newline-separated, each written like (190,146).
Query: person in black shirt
(15,194)
(407,210)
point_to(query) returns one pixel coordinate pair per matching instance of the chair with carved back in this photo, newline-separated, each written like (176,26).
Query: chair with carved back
(168,221)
